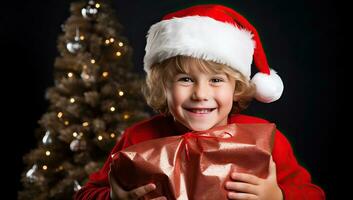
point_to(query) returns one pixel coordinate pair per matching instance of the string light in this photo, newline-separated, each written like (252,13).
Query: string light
(98,5)
(60,114)
(82,37)
(70,74)
(74,134)
(61,167)
(72,100)
(85,124)
(66,123)
(112,135)
(47,153)
(105,74)
(126,116)
(84,66)
(120,93)
(93,61)
(111,39)
(118,53)
(112,108)
(100,137)
(120,44)
(77,135)
(107,41)
(44,167)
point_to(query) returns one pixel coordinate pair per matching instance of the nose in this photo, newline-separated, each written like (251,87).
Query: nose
(201,92)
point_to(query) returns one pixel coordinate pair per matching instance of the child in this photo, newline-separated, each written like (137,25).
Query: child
(198,63)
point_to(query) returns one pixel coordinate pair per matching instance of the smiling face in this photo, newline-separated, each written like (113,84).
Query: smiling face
(200,99)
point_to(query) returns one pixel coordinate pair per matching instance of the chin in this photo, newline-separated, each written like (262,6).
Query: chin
(200,127)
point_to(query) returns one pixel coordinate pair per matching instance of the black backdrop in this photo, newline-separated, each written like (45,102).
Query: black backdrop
(300,39)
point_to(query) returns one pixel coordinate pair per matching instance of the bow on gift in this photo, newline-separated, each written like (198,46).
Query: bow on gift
(226,131)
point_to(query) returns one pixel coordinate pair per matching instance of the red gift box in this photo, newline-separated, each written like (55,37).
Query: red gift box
(195,165)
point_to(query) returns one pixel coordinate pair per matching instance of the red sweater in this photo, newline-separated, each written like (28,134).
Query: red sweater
(293,179)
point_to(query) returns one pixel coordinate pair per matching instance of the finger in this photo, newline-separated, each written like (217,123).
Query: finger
(241,187)
(272,169)
(114,185)
(160,198)
(247,178)
(241,196)
(141,191)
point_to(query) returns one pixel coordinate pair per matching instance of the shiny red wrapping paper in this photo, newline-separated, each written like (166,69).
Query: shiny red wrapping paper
(195,165)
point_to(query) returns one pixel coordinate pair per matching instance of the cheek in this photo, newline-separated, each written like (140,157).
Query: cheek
(225,97)
(176,96)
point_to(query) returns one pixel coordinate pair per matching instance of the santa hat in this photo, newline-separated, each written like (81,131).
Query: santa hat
(215,33)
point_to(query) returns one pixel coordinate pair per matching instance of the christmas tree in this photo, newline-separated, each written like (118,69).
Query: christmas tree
(95,96)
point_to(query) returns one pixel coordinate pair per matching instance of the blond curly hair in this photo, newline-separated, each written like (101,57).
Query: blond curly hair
(159,74)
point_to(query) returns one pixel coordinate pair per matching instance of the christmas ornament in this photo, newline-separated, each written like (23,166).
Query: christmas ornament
(78,145)
(77,186)
(47,139)
(75,45)
(33,174)
(90,10)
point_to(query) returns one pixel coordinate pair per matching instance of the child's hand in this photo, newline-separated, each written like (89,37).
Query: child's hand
(118,193)
(247,186)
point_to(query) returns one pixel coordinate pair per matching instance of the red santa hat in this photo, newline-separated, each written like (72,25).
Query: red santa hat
(215,33)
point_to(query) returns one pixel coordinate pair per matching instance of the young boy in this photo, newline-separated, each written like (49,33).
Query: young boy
(198,63)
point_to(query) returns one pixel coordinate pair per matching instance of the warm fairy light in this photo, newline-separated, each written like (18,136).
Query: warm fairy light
(80,135)
(45,167)
(70,74)
(126,116)
(72,100)
(112,108)
(93,61)
(112,135)
(84,66)
(120,44)
(85,124)
(74,134)
(82,37)
(100,137)
(118,53)
(107,41)
(98,5)
(105,74)
(61,167)
(47,153)
(111,39)
(66,123)
(121,93)
(60,114)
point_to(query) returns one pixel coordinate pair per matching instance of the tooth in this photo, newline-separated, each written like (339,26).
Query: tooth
(201,110)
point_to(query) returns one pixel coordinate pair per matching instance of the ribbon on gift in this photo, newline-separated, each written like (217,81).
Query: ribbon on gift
(214,133)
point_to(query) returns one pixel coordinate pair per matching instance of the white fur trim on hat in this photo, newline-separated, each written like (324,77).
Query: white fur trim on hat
(200,37)
(269,88)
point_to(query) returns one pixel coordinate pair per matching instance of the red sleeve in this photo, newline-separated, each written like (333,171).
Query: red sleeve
(293,179)
(98,187)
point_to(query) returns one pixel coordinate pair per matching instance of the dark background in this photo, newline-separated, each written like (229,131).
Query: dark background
(301,39)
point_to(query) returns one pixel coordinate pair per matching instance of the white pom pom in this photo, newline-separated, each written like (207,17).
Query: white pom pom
(269,88)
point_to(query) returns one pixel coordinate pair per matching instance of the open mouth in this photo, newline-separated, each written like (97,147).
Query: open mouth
(200,110)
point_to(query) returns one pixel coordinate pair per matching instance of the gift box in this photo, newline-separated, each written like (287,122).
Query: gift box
(195,165)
